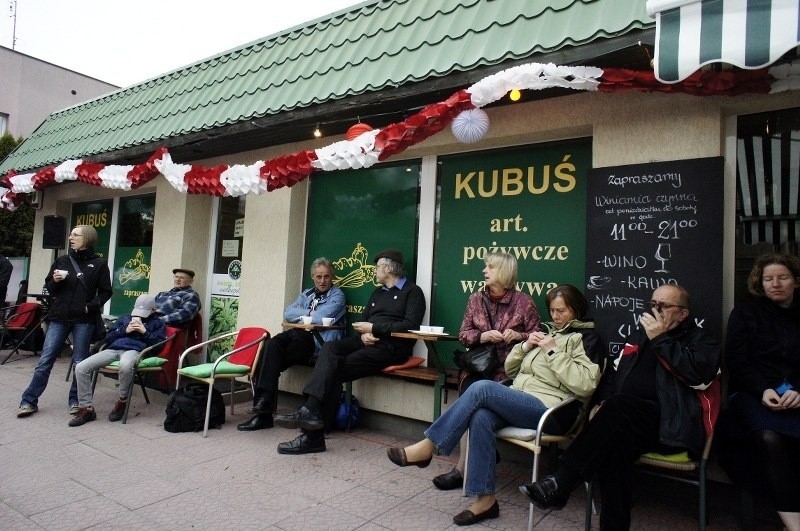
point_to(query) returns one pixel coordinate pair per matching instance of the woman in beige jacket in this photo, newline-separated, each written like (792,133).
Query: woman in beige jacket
(547,367)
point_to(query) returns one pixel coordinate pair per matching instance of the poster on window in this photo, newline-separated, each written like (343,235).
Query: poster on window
(223,312)
(130,273)
(354,215)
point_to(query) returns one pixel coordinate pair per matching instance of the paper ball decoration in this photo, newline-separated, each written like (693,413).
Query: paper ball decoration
(357,130)
(470,126)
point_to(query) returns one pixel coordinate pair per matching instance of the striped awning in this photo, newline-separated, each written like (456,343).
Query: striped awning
(745,33)
(768,177)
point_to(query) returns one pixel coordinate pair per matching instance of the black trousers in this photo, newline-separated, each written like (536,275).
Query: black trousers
(346,360)
(622,430)
(291,347)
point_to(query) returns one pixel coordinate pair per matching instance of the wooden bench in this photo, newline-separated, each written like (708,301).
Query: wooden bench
(412,371)
(441,380)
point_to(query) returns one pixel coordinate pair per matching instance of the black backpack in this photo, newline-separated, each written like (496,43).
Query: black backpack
(186,409)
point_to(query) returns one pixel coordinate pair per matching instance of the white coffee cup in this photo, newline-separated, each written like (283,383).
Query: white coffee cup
(426,329)
(306,319)
(62,272)
(327,321)
(437,329)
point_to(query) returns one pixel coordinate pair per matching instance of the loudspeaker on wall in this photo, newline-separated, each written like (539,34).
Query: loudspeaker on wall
(55,232)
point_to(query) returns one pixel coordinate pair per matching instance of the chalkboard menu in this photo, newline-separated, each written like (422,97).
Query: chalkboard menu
(649,225)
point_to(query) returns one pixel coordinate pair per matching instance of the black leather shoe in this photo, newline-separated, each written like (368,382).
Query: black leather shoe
(258,422)
(303,444)
(302,418)
(469,518)
(261,406)
(449,481)
(545,494)
(398,457)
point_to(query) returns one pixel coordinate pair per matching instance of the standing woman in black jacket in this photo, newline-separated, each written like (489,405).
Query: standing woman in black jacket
(759,434)
(76,297)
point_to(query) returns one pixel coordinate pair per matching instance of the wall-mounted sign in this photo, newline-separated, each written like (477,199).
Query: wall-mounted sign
(526,201)
(649,225)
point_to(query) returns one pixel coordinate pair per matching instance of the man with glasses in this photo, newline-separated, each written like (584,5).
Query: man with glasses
(646,402)
(181,304)
(397,305)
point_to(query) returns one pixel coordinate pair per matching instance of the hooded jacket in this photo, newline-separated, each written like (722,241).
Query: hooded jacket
(119,339)
(69,299)
(567,370)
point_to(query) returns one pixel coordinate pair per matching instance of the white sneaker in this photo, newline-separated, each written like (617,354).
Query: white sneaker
(26,410)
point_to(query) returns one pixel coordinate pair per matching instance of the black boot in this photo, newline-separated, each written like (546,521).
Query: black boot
(260,421)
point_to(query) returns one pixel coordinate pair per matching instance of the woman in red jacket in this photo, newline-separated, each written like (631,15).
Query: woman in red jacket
(498,314)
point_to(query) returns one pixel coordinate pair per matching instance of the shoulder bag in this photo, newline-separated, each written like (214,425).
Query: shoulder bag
(99,323)
(481,360)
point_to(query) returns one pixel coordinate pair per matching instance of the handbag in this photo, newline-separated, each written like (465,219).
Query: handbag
(482,360)
(99,333)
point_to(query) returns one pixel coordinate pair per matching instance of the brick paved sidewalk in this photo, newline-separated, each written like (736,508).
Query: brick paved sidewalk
(107,475)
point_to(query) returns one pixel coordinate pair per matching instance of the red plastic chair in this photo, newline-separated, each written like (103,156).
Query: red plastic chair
(21,323)
(189,334)
(241,361)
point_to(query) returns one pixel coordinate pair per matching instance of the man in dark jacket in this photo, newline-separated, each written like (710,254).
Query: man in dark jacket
(132,334)
(647,402)
(397,306)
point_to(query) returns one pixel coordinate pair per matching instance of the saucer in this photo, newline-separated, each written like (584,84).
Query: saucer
(420,332)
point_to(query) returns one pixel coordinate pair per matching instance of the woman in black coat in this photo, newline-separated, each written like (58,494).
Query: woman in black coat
(77,296)
(759,434)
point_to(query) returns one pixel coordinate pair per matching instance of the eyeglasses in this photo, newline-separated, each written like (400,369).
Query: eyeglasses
(658,306)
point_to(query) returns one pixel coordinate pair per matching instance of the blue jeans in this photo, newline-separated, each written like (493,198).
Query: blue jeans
(484,408)
(54,340)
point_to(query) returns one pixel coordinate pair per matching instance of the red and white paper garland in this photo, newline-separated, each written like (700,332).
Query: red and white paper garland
(374,145)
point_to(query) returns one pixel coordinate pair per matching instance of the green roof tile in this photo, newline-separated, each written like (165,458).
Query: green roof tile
(369,47)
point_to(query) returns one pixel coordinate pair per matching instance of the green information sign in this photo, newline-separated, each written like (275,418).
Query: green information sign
(527,201)
(353,215)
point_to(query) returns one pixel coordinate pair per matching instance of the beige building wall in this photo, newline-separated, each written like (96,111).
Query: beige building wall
(626,128)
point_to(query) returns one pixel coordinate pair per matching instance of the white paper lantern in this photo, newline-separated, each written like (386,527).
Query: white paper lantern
(470,126)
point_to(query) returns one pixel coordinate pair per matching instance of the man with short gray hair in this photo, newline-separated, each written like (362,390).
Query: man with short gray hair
(295,346)
(398,305)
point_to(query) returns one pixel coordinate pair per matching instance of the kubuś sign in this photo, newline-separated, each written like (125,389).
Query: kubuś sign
(527,201)
(649,225)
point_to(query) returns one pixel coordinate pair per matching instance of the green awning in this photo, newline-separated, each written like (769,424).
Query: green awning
(745,33)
